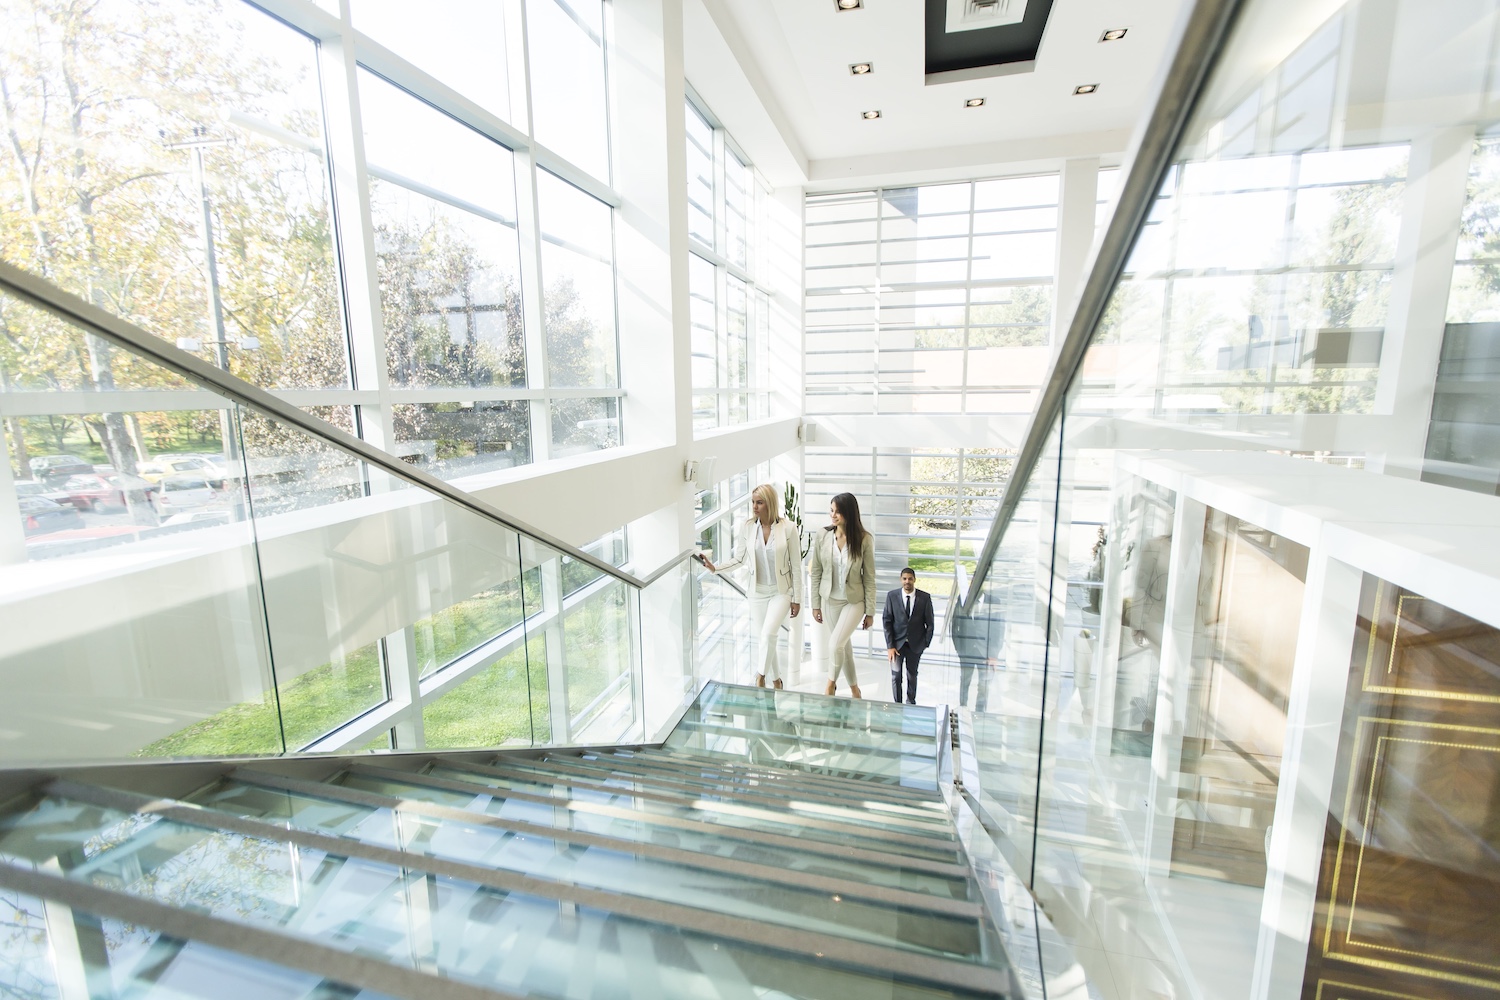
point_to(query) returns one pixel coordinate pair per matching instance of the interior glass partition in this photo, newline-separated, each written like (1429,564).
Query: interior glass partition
(1246,604)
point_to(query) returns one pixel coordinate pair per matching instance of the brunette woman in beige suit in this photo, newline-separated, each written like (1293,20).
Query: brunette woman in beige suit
(843,586)
(771,545)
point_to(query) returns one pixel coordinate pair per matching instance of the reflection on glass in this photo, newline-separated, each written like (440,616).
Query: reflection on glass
(739,203)
(452,440)
(1233,721)
(700,153)
(448,634)
(442,199)
(584,424)
(570,114)
(193,203)
(461,43)
(703,317)
(1411,823)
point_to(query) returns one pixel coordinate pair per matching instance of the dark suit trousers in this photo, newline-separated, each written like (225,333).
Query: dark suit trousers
(906,659)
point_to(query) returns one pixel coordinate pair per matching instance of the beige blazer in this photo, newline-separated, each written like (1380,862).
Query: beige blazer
(786,556)
(859,586)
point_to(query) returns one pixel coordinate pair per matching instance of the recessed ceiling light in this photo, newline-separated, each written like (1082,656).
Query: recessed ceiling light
(861,69)
(1113,35)
(848,4)
(870,115)
(974,102)
(1087,88)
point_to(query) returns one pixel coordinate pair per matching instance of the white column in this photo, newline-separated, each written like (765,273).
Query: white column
(1315,713)
(528,232)
(1175,687)
(1079,194)
(557,673)
(1436,182)
(404,672)
(651,233)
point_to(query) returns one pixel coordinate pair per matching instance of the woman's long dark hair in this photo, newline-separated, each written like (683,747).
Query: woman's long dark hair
(854,529)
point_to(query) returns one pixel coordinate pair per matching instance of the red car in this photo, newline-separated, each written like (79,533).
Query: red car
(98,490)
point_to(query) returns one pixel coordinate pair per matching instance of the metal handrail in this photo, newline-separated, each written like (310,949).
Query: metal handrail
(1201,36)
(44,295)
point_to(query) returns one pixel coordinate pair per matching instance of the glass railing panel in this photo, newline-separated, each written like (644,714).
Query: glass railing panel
(617,870)
(254,588)
(588,621)
(689,834)
(671,672)
(1280,459)
(130,591)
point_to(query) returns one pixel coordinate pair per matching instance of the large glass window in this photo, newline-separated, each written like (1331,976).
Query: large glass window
(730,316)
(194,202)
(442,197)
(220,187)
(577,268)
(934,299)
(460,42)
(568,105)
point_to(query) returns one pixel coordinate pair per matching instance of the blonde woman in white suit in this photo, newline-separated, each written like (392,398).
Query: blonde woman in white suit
(772,547)
(843,586)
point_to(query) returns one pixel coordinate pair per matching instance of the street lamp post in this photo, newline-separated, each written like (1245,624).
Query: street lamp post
(196,145)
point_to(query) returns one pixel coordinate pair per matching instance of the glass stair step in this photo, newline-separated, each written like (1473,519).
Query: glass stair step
(726,813)
(531,805)
(581,776)
(724,782)
(489,928)
(614,868)
(797,856)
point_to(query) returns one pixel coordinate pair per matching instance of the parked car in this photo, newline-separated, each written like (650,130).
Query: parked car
(40,516)
(32,488)
(51,467)
(169,465)
(185,492)
(94,492)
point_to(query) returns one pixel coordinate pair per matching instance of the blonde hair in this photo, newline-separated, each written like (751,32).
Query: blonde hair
(767,492)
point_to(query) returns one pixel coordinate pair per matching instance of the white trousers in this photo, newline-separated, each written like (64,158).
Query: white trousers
(840,619)
(768,610)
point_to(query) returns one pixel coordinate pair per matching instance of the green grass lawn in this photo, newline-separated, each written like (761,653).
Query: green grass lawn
(455,630)
(933,557)
(494,707)
(311,704)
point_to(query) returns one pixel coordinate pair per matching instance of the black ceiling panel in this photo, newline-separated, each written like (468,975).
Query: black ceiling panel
(1006,43)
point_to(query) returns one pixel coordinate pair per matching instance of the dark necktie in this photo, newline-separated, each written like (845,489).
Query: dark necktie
(908,606)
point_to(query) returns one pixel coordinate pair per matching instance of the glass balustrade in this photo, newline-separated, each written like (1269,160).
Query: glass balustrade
(205,579)
(1231,664)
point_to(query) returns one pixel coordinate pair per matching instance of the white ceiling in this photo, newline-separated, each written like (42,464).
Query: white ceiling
(794,55)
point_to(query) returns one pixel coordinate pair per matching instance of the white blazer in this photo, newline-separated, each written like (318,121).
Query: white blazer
(786,556)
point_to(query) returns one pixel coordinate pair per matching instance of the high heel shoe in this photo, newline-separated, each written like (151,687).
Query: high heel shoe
(832,687)
(777,683)
(855,688)
(760,680)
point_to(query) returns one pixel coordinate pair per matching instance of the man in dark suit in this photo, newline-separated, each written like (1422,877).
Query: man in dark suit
(908,631)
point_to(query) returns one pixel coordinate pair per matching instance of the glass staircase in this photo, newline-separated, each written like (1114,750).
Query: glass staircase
(775,845)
